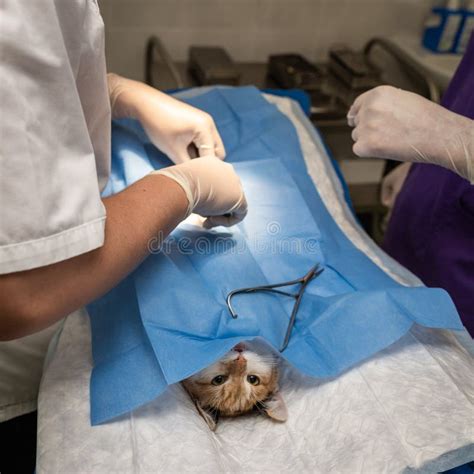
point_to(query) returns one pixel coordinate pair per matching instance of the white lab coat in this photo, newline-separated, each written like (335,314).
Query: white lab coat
(54,156)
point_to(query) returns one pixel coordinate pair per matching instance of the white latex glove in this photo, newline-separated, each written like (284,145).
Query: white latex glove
(399,125)
(172,126)
(213,190)
(393,183)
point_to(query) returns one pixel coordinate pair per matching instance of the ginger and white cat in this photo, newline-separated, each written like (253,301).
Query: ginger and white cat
(245,379)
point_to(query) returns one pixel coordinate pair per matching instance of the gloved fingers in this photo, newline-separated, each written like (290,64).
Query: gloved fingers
(351,120)
(361,147)
(355,108)
(371,140)
(219,147)
(400,125)
(357,148)
(355,134)
(212,188)
(216,221)
(179,155)
(369,146)
(183,152)
(205,142)
(225,221)
(234,216)
(355,120)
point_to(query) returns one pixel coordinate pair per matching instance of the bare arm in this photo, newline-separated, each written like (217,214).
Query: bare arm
(34,299)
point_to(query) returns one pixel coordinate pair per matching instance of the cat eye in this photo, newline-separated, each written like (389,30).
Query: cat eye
(253,380)
(303,282)
(219,380)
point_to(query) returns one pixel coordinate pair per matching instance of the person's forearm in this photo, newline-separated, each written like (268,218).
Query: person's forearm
(451,145)
(34,299)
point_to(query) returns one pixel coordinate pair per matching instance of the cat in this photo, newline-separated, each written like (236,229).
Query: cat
(243,380)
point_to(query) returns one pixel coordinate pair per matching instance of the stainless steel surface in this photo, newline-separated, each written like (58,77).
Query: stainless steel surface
(155,46)
(406,63)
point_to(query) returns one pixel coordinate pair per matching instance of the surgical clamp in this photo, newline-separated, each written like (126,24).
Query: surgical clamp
(313,273)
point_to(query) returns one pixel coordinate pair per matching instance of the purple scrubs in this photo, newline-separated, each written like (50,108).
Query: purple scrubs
(431,231)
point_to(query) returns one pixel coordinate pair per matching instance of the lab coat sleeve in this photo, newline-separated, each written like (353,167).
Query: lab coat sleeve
(50,205)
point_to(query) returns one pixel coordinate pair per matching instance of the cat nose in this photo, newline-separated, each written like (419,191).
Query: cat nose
(240,364)
(240,347)
(240,360)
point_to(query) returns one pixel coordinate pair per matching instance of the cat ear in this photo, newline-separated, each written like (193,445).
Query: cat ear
(211,417)
(275,407)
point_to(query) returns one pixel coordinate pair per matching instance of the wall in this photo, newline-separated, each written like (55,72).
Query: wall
(250,29)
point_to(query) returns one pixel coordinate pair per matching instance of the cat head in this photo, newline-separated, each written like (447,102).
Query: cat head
(245,379)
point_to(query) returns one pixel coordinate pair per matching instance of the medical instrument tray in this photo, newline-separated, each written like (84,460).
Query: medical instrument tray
(353,68)
(212,65)
(293,71)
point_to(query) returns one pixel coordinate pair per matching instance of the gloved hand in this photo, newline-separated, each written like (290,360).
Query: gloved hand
(399,125)
(393,183)
(171,125)
(213,190)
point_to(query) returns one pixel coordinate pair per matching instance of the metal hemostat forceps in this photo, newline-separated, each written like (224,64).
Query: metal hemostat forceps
(313,273)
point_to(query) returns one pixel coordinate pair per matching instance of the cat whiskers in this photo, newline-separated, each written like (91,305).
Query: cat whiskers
(213,410)
(260,406)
